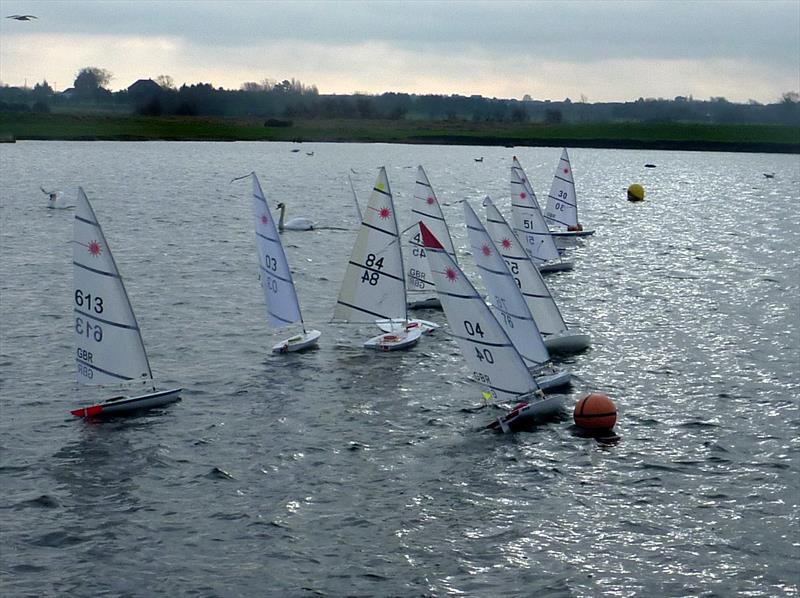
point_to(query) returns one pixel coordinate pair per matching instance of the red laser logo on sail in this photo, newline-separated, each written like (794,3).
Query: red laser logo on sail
(451,275)
(523,195)
(94,248)
(385,213)
(264,219)
(506,243)
(430,201)
(486,251)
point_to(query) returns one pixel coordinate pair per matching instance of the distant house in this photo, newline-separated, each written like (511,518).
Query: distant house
(144,89)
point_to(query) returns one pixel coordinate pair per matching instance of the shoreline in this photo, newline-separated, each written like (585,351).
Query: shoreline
(640,136)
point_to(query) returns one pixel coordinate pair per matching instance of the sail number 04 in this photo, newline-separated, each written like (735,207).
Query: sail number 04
(481,353)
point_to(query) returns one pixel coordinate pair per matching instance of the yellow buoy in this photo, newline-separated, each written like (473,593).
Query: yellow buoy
(636,192)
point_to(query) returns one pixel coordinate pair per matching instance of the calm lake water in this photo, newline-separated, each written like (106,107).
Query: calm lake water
(347,473)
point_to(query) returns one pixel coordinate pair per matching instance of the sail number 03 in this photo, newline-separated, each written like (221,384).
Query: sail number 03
(370,276)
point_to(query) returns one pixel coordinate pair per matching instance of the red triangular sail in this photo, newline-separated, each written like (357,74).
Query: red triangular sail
(428,238)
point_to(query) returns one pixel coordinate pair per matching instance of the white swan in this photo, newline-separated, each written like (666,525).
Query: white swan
(294,223)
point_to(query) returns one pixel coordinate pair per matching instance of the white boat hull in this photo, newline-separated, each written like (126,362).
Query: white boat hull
(299,342)
(525,415)
(394,341)
(397,324)
(125,405)
(549,378)
(551,267)
(567,342)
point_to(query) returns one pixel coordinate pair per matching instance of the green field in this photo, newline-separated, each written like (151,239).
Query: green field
(688,136)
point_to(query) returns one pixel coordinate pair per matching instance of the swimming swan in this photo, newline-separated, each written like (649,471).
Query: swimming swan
(294,223)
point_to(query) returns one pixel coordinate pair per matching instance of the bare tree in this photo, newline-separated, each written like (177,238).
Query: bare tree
(165,82)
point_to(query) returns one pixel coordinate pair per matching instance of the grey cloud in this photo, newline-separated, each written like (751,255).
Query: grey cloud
(569,31)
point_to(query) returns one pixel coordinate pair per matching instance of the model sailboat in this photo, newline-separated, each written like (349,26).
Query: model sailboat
(426,209)
(530,226)
(374,287)
(561,213)
(558,337)
(509,306)
(496,364)
(109,345)
(280,297)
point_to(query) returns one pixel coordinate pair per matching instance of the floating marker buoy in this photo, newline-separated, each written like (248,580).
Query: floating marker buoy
(595,411)
(636,192)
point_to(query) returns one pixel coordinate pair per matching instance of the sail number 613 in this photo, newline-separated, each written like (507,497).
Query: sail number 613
(89,301)
(88,329)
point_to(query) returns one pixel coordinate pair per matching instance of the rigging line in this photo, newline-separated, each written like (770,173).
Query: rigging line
(244,176)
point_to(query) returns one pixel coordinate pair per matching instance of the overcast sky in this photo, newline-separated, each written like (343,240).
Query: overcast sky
(603,50)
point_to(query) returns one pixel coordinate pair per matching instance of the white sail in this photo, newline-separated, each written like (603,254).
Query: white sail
(280,296)
(374,281)
(507,302)
(538,297)
(496,364)
(425,208)
(562,203)
(529,224)
(109,346)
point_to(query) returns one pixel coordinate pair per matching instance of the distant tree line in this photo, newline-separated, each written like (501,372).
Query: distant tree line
(279,101)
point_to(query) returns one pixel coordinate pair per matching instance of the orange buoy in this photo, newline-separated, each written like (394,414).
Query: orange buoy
(595,411)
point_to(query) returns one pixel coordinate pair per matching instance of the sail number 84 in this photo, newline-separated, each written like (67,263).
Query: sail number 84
(372,277)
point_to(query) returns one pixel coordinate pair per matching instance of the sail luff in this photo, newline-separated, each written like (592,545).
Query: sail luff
(496,365)
(507,301)
(277,283)
(425,208)
(105,313)
(562,204)
(373,286)
(533,287)
(529,223)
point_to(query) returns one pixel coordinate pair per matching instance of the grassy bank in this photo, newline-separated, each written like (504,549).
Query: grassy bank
(757,138)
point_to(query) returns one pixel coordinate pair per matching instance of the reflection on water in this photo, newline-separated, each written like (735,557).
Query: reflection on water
(346,472)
